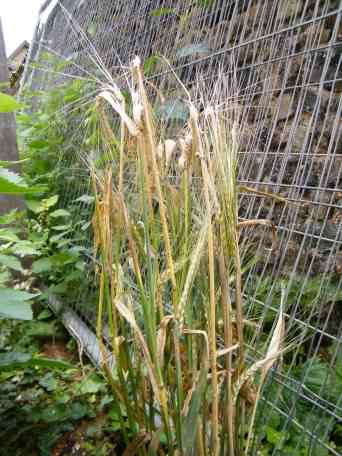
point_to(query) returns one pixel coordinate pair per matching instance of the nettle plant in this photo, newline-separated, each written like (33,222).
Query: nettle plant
(13,303)
(42,244)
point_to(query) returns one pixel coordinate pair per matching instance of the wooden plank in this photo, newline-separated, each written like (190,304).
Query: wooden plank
(8,140)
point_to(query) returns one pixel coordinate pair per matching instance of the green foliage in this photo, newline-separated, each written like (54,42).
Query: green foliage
(205,3)
(150,64)
(159,12)
(42,400)
(11,262)
(11,183)
(276,432)
(16,304)
(8,103)
(304,293)
(15,360)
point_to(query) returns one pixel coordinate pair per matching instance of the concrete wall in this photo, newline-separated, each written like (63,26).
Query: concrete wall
(8,141)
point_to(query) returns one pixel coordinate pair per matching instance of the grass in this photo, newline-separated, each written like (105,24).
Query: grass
(167,238)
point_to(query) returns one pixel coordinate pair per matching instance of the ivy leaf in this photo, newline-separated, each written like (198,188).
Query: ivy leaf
(11,262)
(192,49)
(8,103)
(49,382)
(90,385)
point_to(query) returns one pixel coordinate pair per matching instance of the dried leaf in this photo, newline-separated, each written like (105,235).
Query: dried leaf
(161,338)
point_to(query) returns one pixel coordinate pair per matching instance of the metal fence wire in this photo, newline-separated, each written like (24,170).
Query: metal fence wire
(287,64)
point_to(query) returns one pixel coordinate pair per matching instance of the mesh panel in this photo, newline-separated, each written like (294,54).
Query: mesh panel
(285,59)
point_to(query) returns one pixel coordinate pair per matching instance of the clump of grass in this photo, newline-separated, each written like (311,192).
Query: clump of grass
(170,271)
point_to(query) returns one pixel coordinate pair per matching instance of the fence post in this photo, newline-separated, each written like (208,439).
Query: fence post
(8,140)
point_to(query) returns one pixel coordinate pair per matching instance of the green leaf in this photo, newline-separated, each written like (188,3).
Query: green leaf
(24,248)
(61,288)
(205,3)
(87,199)
(92,29)
(16,360)
(162,12)
(8,103)
(44,314)
(90,385)
(12,183)
(58,237)
(64,258)
(5,277)
(11,262)
(24,118)
(192,49)
(61,412)
(16,295)
(49,382)
(34,206)
(6,234)
(60,213)
(8,218)
(41,265)
(41,329)
(15,304)
(190,421)
(62,227)
(5,163)
(16,310)
(150,65)
(50,202)
(41,206)
(38,144)
(275,437)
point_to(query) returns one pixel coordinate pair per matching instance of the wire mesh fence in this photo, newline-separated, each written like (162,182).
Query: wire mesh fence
(284,57)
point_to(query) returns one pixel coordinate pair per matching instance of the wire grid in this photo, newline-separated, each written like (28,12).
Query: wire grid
(287,65)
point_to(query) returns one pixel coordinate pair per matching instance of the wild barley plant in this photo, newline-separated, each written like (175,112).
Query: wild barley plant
(167,237)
